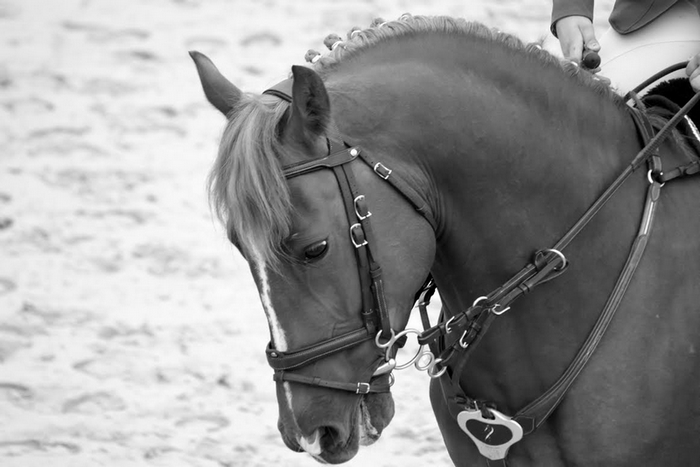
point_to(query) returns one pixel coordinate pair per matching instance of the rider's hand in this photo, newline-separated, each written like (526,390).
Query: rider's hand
(576,33)
(693,72)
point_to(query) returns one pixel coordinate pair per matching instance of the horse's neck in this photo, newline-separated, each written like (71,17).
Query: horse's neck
(533,177)
(506,175)
(507,164)
(517,182)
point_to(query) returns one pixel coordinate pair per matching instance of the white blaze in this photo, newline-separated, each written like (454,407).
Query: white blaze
(279,340)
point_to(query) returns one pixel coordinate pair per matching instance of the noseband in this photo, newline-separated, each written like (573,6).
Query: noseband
(375,315)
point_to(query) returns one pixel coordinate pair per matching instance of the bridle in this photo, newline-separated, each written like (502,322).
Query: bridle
(375,314)
(470,325)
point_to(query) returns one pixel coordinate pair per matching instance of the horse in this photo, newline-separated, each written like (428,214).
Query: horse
(433,147)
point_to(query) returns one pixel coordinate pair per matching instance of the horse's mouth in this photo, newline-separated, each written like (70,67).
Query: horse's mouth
(326,445)
(368,432)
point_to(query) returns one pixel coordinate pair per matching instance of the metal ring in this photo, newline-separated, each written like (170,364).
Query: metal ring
(480,299)
(389,343)
(652,181)
(561,255)
(428,365)
(415,357)
(439,373)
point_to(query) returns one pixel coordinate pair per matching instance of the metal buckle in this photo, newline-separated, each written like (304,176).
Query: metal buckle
(357,212)
(382,170)
(499,312)
(447,324)
(362,388)
(352,237)
(462,343)
(560,255)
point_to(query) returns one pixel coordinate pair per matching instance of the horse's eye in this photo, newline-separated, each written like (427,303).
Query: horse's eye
(316,251)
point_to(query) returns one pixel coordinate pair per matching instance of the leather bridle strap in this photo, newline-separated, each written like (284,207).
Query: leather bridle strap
(374,309)
(300,358)
(338,156)
(357,388)
(405,188)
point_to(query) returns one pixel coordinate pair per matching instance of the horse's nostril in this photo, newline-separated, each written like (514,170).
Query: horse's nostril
(330,438)
(312,444)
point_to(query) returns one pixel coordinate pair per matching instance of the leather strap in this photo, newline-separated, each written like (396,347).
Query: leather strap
(283,90)
(361,213)
(654,78)
(299,358)
(334,159)
(396,180)
(357,388)
(540,409)
(692,168)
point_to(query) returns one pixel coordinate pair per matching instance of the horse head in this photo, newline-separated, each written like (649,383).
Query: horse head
(337,255)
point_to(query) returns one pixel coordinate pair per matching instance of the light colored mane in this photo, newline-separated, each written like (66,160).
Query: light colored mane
(247,188)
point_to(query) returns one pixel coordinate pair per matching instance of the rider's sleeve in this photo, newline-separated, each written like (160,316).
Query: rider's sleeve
(629,15)
(563,8)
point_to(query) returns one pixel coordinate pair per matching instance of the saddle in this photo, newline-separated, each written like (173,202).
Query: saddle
(665,100)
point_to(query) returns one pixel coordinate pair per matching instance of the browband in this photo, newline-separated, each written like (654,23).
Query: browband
(283,90)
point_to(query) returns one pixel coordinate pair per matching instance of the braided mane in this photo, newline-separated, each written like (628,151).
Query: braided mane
(247,188)
(407,26)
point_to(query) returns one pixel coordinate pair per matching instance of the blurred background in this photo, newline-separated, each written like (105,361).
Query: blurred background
(131,333)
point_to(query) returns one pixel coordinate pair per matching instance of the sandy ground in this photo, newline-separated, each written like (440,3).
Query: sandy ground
(130,332)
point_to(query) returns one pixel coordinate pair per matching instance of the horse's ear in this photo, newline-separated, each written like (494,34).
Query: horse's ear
(311,110)
(220,92)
